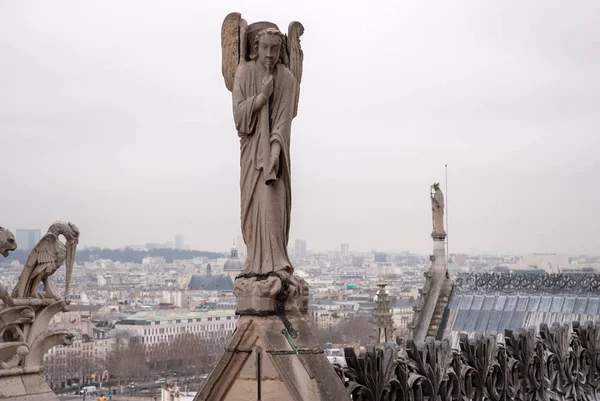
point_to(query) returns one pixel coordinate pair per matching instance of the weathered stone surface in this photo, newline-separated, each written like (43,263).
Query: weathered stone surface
(435,293)
(35,384)
(235,375)
(557,362)
(273,355)
(264,86)
(383,323)
(45,259)
(437,209)
(272,390)
(7,242)
(24,317)
(260,294)
(11,386)
(36,397)
(27,387)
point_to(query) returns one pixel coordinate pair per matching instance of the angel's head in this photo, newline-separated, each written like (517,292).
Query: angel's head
(267,47)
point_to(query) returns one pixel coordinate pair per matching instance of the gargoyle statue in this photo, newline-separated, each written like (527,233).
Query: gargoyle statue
(7,242)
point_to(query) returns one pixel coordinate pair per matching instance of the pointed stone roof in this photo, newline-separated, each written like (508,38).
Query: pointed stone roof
(292,369)
(383,323)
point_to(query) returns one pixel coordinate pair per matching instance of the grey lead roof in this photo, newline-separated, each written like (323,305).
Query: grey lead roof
(211,283)
(495,313)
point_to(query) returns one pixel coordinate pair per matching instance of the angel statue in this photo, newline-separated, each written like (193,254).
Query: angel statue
(262,68)
(45,259)
(437,208)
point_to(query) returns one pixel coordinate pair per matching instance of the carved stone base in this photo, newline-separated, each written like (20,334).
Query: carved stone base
(268,293)
(273,355)
(263,362)
(438,235)
(26,338)
(29,387)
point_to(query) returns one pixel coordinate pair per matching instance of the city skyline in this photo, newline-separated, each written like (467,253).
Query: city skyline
(147,148)
(343,248)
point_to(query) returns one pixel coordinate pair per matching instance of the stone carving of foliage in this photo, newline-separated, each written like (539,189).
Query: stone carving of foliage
(557,363)
(372,376)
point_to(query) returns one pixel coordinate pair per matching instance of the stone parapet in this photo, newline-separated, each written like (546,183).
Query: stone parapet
(528,283)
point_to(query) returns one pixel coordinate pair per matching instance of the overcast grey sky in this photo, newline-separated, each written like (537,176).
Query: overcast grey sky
(114,115)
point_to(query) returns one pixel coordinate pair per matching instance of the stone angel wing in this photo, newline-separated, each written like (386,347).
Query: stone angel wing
(233,46)
(41,258)
(295,56)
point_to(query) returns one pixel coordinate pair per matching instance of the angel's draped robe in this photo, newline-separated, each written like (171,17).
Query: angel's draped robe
(437,208)
(266,209)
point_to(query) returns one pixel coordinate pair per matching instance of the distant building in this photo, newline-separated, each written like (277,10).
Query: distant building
(234,264)
(154,260)
(64,363)
(27,239)
(542,262)
(177,298)
(380,257)
(160,327)
(218,283)
(320,317)
(179,244)
(402,314)
(358,261)
(345,250)
(300,248)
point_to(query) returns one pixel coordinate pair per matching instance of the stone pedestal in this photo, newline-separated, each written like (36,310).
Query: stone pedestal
(273,354)
(26,338)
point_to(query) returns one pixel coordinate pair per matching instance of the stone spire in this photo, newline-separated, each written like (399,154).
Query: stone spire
(435,293)
(234,251)
(383,323)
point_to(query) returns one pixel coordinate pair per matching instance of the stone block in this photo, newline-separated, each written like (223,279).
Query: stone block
(11,387)
(271,390)
(35,384)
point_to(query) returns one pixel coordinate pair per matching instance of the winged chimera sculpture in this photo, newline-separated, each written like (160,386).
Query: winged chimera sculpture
(24,333)
(45,259)
(7,242)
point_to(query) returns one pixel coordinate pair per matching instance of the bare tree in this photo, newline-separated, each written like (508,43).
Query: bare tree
(186,352)
(357,330)
(328,335)
(127,361)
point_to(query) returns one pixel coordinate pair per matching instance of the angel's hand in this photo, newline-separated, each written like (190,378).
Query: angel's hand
(267,86)
(274,164)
